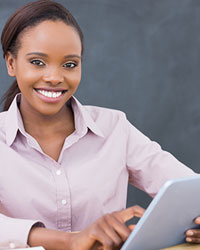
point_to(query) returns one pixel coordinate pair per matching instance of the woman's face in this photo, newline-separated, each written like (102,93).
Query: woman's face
(47,66)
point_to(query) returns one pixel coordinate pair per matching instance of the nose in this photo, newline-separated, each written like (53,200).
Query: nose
(53,76)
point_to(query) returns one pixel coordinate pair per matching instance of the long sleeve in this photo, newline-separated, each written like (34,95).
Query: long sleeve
(14,232)
(149,166)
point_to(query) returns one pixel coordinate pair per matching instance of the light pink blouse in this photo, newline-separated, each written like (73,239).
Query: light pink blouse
(97,161)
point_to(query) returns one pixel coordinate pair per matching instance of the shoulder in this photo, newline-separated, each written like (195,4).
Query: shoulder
(112,120)
(105,114)
(109,121)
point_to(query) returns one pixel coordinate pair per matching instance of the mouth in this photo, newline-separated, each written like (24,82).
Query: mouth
(50,95)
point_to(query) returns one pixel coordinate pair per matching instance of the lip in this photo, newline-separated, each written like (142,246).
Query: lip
(50,99)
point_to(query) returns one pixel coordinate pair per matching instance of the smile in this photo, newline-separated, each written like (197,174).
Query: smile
(50,94)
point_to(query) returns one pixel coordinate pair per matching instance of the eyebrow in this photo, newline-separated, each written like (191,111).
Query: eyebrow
(45,55)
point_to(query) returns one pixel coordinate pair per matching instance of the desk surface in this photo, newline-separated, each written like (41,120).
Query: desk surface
(184,247)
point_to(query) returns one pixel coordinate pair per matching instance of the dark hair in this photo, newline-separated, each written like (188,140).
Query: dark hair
(26,17)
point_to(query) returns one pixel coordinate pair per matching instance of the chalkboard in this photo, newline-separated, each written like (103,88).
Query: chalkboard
(141,57)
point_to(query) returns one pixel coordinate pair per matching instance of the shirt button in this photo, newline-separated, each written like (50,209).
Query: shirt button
(58,172)
(64,202)
(12,245)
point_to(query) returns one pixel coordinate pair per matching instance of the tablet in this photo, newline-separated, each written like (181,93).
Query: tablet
(170,214)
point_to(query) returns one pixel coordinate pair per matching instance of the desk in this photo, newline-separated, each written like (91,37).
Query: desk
(184,247)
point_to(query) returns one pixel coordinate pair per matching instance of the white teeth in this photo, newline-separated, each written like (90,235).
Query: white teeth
(50,94)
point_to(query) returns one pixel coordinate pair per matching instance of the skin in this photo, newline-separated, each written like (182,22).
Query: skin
(59,66)
(49,57)
(193,235)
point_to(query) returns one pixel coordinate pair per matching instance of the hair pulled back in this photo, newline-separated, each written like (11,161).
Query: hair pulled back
(26,17)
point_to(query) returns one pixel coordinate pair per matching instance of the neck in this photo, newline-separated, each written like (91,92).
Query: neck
(46,125)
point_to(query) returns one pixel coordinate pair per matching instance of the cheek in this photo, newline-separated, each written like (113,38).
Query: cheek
(27,77)
(74,79)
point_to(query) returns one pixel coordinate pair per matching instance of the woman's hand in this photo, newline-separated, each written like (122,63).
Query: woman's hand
(193,235)
(107,233)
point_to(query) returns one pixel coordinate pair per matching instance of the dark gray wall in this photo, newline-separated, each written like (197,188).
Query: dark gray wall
(142,57)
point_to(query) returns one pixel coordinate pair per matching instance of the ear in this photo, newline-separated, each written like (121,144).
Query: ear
(10,63)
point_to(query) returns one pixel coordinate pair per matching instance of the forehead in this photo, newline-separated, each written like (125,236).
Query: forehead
(51,37)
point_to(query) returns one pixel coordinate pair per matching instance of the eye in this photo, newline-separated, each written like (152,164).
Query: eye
(70,65)
(37,62)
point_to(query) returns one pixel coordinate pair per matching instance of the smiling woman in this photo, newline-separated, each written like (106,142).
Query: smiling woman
(72,162)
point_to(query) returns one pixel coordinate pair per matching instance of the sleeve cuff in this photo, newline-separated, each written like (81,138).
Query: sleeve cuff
(15,232)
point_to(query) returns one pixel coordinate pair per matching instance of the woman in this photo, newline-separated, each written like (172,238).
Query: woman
(68,164)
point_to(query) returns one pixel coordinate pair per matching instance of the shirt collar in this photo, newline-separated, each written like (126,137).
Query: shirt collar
(13,121)
(83,120)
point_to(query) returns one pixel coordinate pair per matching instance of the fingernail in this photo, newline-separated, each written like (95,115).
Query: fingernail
(190,233)
(188,239)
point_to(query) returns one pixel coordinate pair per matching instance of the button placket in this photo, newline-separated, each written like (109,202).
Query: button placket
(63,198)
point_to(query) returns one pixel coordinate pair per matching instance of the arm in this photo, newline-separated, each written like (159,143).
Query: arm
(20,233)
(49,239)
(14,232)
(149,166)
(108,232)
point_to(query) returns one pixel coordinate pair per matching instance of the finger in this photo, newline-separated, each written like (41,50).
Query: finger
(97,246)
(193,233)
(192,240)
(130,212)
(103,239)
(197,220)
(109,225)
(131,227)
(122,230)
